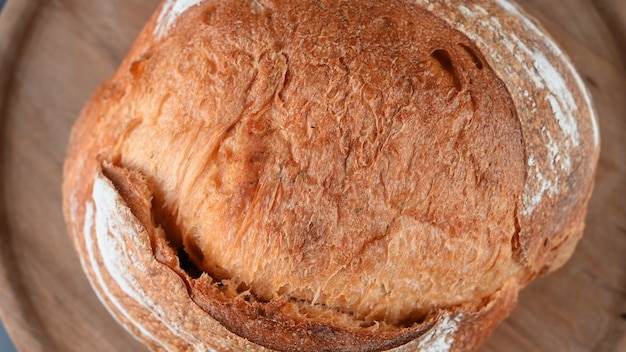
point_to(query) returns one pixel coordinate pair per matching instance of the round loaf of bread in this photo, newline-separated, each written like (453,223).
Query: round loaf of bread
(329,175)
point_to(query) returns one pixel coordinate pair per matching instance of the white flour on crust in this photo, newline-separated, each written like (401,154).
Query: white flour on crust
(531,49)
(114,225)
(172,9)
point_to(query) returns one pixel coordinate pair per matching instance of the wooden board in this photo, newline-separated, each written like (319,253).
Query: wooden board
(53,54)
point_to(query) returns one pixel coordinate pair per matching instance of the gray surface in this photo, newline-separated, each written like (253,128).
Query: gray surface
(5,341)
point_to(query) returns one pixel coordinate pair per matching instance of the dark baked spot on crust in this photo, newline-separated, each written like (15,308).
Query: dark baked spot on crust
(251,161)
(208,15)
(445,60)
(137,68)
(473,56)
(516,245)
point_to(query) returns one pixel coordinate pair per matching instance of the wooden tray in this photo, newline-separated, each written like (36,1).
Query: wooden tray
(53,54)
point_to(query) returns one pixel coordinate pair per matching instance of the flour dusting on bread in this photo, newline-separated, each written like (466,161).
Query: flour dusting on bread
(441,337)
(172,9)
(114,226)
(102,288)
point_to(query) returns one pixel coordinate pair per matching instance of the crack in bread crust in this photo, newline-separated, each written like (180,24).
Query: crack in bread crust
(132,250)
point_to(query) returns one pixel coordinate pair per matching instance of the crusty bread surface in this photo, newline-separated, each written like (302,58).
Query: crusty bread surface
(329,175)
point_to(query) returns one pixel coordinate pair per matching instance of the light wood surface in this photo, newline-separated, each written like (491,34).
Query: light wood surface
(53,54)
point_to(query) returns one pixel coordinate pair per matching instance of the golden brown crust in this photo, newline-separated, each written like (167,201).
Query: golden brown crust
(558,122)
(346,175)
(330,165)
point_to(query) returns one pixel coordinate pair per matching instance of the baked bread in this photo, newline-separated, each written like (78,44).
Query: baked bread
(329,175)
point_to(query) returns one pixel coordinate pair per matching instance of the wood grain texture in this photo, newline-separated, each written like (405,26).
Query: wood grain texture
(53,54)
